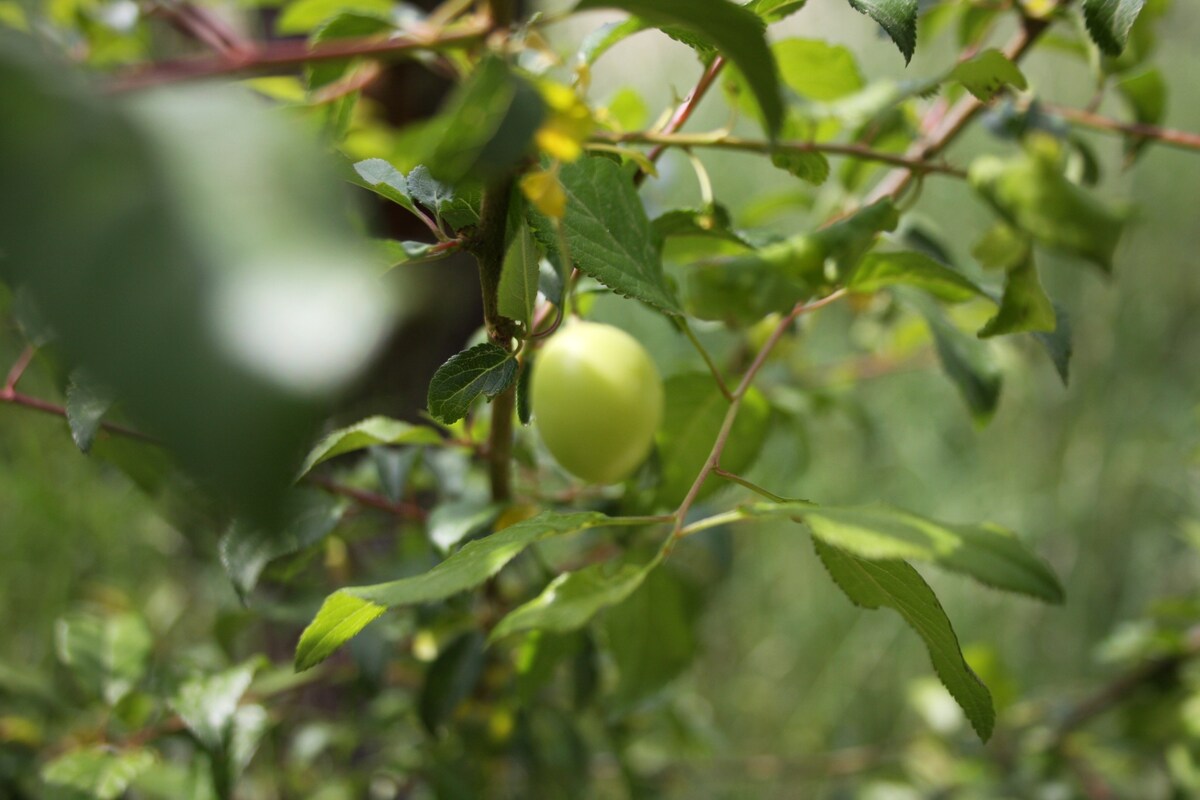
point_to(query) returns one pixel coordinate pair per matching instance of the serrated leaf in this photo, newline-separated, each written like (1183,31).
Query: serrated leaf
(87,403)
(372,431)
(807,165)
(383,179)
(459,206)
(988,553)
(1025,307)
(985,74)
(348,611)
(571,600)
(775,10)
(1109,22)
(693,410)
(485,369)
(735,31)
(487,125)
(602,39)
(519,278)
(107,655)
(449,679)
(897,17)
(608,232)
(245,550)
(1032,194)
(896,585)
(879,270)
(207,704)
(99,772)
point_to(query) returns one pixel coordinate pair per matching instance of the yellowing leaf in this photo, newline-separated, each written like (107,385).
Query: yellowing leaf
(568,125)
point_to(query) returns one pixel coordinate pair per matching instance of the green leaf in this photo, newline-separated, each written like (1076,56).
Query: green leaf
(1024,306)
(988,553)
(879,270)
(608,233)
(817,70)
(369,432)
(652,636)
(1109,22)
(807,165)
(966,362)
(486,369)
(602,39)
(712,223)
(897,17)
(775,10)
(303,16)
(1057,344)
(987,73)
(250,724)
(246,550)
(87,403)
(458,206)
(99,772)
(452,521)
(519,278)
(693,410)
(449,679)
(571,600)
(735,31)
(208,703)
(1032,194)
(107,655)
(487,125)
(348,611)
(351,24)
(1001,247)
(1146,94)
(524,407)
(896,585)
(384,180)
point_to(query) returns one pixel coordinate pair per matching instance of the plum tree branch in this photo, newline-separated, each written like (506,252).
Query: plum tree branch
(713,461)
(285,56)
(1170,137)
(684,111)
(726,142)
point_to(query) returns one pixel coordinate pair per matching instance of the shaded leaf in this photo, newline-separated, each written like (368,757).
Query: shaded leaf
(519,278)
(818,70)
(485,369)
(735,31)
(896,585)
(451,522)
(1024,307)
(383,179)
(369,432)
(457,205)
(245,550)
(807,165)
(775,10)
(449,679)
(967,363)
(1057,343)
(350,24)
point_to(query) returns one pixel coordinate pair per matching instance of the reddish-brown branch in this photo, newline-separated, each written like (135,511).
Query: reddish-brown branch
(369,499)
(18,368)
(685,110)
(10,395)
(1170,137)
(955,121)
(284,56)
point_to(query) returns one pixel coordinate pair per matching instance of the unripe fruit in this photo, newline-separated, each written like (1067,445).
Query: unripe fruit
(597,401)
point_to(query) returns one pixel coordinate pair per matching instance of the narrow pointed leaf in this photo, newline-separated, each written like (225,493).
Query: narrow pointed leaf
(897,17)
(879,270)
(519,278)
(1109,22)
(369,432)
(896,585)
(1025,307)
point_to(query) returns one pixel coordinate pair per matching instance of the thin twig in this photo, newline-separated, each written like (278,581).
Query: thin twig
(369,499)
(714,457)
(684,111)
(10,395)
(18,368)
(726,142)
(1170,137)
(704,354)
(287,55)
(754,487)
